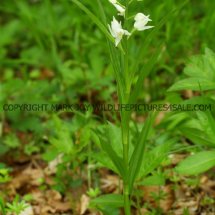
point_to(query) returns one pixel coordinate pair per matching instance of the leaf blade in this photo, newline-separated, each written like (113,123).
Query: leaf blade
(197,163)
(138,153)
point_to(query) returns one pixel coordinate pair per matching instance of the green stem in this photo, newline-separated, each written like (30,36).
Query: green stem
(125,125)
(127,204)
(88,169)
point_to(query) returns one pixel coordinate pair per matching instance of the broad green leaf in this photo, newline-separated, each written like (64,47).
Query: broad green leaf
(112,148)
(202,66)
(12,141)
(197,163)
(62,140)
(206,123)
(197,84)
(110,211)
(201,72)
(153,158)
(111,200)
(102,157)
(211,122)
(200,130)
(138,153)
(105,161)
(154,180)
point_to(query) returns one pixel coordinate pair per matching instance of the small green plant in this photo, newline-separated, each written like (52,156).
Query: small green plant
(198,126)
(16,207)
(4,175)
(93,192)
(129,72)
(2,206)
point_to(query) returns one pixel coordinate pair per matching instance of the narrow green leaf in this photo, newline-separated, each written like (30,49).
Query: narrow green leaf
(94,19)
(154,157)
(110,200)
(197,163)
(211,122)
(138,153)
(142,75)
(198,137)
(107,147)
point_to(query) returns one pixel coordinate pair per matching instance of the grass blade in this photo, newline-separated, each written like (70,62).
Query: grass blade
(143,74)
(110,200)
(138,153)
(107,147)
(94,19)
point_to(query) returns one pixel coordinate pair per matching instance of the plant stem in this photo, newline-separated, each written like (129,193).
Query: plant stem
(125,125)
(127,204)
(88,169)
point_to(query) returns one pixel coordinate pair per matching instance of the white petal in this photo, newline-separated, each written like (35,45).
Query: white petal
(115,25)
(141,21)
(117,41)
(112,33)
(145,28)
(140,16)
(113,1)
(120,9)
(127,33)
(117,31)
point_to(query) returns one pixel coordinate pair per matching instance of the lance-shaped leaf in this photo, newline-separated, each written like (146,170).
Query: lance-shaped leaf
(110,200)
(106,139)
(197,163)
(96,20)
(138,153)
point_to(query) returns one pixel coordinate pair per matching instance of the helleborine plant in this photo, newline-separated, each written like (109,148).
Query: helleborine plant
(129,77)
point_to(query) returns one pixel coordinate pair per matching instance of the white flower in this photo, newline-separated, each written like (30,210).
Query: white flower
(120,8)
(141,21)
(117,31)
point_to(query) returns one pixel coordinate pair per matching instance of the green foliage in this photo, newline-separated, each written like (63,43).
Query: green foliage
(111,144)
(138,153)
(197,163)
(201,72)
(110,200)
(16,206)
(4,175)
(198,126)
(155,157)
(50,52)
(157,179)
(93,192)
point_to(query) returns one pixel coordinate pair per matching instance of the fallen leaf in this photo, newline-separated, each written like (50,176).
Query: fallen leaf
(84,203)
